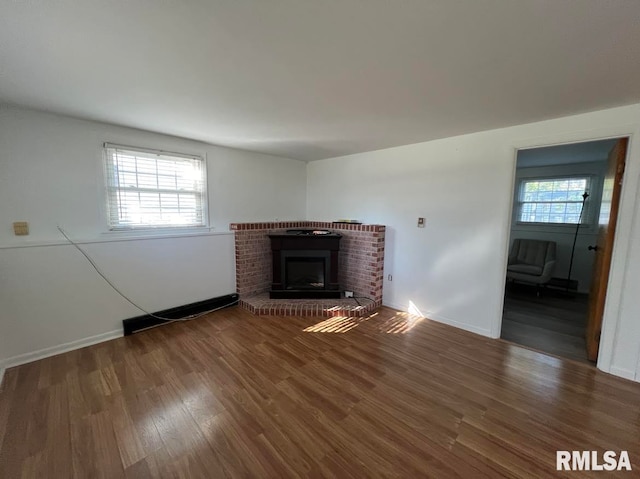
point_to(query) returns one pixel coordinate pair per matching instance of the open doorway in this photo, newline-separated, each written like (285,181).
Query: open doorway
(562,230)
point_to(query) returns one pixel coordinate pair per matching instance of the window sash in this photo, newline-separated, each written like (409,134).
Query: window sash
(540,206)
(154,189)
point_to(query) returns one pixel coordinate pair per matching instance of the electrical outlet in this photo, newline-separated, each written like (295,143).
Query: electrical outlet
(348,294)
(420,222)
(389,277)
(21,228)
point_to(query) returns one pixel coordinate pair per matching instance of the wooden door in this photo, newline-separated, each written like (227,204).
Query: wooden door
(604,246)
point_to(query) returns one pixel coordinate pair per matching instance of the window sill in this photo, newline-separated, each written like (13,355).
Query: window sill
(558,228)
(158,231)
(554,225)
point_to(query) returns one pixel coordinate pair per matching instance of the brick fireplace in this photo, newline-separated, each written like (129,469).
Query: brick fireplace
(361,263)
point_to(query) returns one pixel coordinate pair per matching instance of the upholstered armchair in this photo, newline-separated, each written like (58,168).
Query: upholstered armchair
(531,261)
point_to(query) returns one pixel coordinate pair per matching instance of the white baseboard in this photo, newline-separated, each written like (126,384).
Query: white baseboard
(447,321)
(623,373)
(54,350)
(457,324)
(394,306)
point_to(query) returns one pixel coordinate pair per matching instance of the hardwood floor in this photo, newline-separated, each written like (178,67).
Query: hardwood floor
(236,395)
(554,323)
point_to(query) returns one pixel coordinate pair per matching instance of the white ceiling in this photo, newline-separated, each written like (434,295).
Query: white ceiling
(315,79)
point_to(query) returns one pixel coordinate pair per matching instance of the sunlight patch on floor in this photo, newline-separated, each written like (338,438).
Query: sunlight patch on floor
(400,323)
(337,324)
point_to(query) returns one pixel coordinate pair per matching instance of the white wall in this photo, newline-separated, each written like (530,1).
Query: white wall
(51,173)
(453,270)
(563,235)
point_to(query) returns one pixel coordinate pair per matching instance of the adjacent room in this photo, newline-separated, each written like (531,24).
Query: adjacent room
(561,206)
(319,239)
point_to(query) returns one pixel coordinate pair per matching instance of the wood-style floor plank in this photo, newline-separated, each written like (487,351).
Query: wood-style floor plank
(554,322)
(236,395)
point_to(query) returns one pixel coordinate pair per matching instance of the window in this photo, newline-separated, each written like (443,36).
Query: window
(553,200)
(150,189)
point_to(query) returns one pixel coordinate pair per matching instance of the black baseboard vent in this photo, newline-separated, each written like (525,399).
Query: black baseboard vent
(139,323)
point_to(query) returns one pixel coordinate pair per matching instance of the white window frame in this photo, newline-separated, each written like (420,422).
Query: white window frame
(113,191)
(587,214)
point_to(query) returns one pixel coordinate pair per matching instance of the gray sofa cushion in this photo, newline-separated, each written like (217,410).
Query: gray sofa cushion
(531,260)
(533,252)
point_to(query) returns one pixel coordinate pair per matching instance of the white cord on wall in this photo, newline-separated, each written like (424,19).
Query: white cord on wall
(129,300)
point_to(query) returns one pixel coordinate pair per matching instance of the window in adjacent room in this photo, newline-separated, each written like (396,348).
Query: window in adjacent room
(553,200)
(154,189)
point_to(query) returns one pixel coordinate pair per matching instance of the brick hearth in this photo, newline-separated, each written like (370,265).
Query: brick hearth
(360,269)
(262,305)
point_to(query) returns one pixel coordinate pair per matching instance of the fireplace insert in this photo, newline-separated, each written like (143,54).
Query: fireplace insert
(305,265)
(304,273)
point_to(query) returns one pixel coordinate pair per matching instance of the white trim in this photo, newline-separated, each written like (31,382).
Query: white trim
(394,306)
(496,327)
(623,373)
(404,309)
(59,349)
(113,155)
(457,324)
(157,232)
(441,319)
(618,271)
(119,237)
(152,151)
